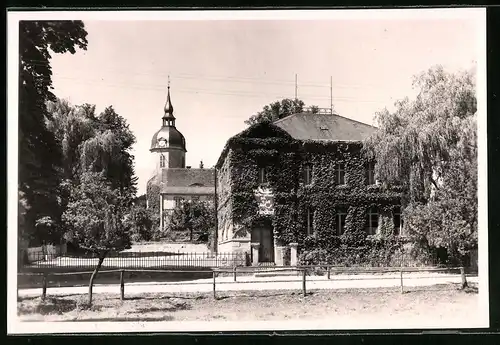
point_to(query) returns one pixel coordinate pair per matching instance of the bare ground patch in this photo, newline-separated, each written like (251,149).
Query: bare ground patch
(445,301)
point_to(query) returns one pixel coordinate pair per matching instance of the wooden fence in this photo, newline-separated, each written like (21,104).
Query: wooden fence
(303,271)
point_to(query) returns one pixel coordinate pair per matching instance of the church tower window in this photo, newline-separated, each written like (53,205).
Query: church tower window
(162,161)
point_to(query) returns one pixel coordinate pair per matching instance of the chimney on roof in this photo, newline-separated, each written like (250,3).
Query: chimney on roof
(188,167)
(201,165)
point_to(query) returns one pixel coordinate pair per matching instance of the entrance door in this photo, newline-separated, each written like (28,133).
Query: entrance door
(264,236)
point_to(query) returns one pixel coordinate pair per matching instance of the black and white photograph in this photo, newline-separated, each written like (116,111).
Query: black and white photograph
(176,171)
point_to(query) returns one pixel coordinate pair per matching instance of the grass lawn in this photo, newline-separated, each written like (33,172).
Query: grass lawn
(445,301)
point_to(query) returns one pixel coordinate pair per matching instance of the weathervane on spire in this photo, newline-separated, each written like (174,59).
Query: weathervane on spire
(168,81)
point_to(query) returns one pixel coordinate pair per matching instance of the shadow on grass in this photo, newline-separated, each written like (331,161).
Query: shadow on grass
(471,289)
(139,298)
(171,308)
(123,319)
(265,295)
(51,305)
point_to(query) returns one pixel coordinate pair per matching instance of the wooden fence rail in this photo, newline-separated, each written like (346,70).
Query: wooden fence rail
(215,272)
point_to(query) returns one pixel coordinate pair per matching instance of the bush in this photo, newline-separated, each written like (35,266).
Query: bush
(373,252)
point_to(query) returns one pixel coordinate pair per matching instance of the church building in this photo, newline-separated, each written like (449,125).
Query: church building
(173,182)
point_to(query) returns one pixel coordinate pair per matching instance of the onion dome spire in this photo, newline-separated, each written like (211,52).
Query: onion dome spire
(169,109)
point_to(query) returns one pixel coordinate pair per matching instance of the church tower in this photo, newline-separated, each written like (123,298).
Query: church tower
(168,144)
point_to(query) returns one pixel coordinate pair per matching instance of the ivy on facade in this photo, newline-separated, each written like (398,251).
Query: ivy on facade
(284,158)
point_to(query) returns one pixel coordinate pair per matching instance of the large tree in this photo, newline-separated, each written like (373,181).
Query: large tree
(39,152)
(108,151)
(93,143)
(278,110)
(94,219)
(429,145)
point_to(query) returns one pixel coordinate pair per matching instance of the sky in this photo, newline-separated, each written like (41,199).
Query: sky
(223,71)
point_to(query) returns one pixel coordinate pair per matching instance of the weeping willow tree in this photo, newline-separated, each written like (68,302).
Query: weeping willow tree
(429,146)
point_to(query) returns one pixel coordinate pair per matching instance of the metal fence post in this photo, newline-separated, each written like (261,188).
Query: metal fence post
(44,286)
(122,285)
(464,279)
(215,296)
(234,273)
(304,282)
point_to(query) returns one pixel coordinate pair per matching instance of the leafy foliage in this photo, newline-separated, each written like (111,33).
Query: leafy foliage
(430,145)
(196,217)
(142,223)
(39,152)
(94,216)
(278,110)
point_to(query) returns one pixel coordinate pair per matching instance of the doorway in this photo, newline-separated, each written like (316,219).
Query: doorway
(263,234)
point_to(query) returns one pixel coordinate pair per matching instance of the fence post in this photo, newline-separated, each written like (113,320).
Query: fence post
(304,282)
(464,279)
(401,277)
(44,286)
(215,296)
(122,285)
(328,272)
(234,273)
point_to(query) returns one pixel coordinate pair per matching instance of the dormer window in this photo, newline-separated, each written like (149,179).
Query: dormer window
(307,174)
(162,161)
(339,173)
(370,173)
(263,178)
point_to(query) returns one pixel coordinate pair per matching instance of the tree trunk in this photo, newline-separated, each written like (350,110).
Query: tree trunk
(91,284)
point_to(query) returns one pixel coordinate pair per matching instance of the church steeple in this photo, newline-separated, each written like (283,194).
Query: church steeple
(168,117)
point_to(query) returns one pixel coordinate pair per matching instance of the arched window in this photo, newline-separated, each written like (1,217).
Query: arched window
(162,161)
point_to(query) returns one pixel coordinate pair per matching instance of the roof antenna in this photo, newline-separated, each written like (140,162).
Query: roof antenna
(295,85)
(331,95)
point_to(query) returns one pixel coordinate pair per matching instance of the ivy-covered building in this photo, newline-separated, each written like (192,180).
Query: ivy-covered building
(302,179)
(173,182)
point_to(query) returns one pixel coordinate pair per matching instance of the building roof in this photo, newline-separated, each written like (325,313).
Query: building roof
(183,177)
(308,126)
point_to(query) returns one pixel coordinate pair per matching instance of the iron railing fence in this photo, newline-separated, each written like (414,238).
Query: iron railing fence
(141,260)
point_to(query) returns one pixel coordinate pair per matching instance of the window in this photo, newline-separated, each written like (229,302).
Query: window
(307,174)
(310,221)
(339,173)
(263,175)
(340,218)
(370,173)
(371,221)
(178,201)
(398,222)
(162,161)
